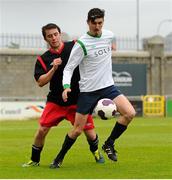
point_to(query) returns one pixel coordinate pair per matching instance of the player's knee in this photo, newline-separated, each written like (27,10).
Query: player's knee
(130,115)
(77,132)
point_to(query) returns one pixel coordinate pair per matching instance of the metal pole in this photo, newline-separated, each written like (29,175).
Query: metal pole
(137,23)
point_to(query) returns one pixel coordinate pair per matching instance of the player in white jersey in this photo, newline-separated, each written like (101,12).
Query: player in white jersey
(92,53)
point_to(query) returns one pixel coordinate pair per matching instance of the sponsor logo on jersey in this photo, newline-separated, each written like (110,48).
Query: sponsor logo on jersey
(102,52)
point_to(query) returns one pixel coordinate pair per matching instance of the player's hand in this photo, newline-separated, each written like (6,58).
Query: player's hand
(56,63)
(65,94)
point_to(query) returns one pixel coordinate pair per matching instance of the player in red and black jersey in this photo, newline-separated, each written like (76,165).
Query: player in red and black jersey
(45,63)
(49,69)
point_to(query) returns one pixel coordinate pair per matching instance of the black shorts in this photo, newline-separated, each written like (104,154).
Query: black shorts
(88,100)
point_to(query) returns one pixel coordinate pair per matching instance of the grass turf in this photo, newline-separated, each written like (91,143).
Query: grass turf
(144,151)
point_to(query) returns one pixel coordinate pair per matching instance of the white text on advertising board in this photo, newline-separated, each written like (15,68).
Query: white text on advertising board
(122,78)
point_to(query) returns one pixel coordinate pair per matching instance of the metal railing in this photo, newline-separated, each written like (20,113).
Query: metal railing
(21,41)
(37,41)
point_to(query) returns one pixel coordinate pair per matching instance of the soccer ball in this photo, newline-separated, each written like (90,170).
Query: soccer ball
(105,108)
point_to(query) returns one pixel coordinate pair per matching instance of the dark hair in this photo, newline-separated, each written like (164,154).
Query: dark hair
(49,26)
(95,13)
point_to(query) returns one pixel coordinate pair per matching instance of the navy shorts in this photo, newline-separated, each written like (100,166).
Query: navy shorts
(88,100)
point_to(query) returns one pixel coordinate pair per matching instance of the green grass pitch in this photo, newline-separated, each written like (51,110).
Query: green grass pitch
(144,151)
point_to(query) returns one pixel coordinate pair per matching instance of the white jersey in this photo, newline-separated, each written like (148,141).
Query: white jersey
(93,55)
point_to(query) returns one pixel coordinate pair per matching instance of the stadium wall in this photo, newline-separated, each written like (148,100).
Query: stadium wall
(20,96)
(159,74)
(17,66)
(16,74)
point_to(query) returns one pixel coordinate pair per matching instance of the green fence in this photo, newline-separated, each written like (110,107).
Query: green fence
(169,106)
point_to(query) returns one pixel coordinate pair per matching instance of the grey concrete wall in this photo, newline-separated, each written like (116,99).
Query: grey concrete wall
(17,66)
(16,74)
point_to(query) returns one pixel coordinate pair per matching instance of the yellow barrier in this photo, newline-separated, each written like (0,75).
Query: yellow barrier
(153,105)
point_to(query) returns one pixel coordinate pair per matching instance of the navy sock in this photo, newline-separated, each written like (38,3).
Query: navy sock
(67,144)
(36,153)
(116,133)
(93,144)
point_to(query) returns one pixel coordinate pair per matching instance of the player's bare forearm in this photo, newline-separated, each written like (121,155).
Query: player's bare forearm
(45,78)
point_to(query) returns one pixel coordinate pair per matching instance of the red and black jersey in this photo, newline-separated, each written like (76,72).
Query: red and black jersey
(44,64)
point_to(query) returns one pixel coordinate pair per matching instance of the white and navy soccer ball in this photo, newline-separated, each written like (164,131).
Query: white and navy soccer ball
(105,109)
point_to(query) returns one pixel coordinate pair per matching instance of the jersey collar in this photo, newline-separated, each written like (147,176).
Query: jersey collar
(57,51)
(98,36)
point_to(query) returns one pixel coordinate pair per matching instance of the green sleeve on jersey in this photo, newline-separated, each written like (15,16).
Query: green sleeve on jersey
(83,47)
